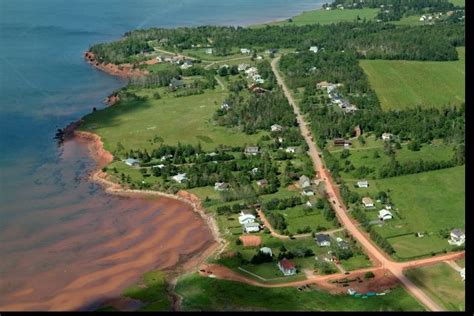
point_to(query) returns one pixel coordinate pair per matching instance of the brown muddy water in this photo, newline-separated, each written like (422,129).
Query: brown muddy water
(79,246)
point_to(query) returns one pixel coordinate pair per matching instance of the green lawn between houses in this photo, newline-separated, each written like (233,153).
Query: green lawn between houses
(207,294)
(401,84)
(185,119)
(326,17)
(442,283)
(426,202)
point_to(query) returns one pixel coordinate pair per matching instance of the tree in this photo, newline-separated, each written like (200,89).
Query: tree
(156,95)
(369,275)
(223,72)
(414,145)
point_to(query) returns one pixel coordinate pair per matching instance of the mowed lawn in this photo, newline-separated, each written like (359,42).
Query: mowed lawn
(185,119)
(401,84)
(428,201)
(442,283)
(326,17)
(208,294)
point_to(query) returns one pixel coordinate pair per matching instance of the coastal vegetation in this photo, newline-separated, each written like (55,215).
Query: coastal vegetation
(207,294)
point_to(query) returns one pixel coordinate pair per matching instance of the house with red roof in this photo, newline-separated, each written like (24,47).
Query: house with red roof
(286,267)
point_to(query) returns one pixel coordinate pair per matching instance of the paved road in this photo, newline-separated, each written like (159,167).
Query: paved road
(341,212)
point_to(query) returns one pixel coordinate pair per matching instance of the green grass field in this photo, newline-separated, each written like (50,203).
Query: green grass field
(207,294)
(403,84)
(365,157)
(297,218)
(185,119)
(460,3)
(326,17)
(410,246)
(427,201)
(152,292)
(356,262)
(442,284)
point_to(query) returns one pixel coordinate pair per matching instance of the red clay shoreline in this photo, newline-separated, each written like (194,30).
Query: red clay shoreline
(123,70)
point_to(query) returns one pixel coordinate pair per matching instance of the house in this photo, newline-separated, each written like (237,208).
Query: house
(262,183)
(180,177)
(259,81)
(186,65)
(350,109)
(368,203)
(304,182)
(457,237)
(176,83)
(388,207)
(272,51)
(420,235)
(221,186)
(323,85)
(280,139)
(266,250)
(342,243)
(286,267)
(252,150)
(462,272)
(291,149)
(307,192)
(251,227)
(385,215)
(209,51)
(225,106)
(251,71)
(313,49)
(341,142)
(132,162)
(247,212)
(242,67)
(259,57)
(363,184)
(247,218)
(323,240)
(245,51)
(159,59)
(160,166)
(276,128)
(163,158)
(386,136)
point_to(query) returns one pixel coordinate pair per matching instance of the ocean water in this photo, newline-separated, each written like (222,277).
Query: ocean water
(46,200)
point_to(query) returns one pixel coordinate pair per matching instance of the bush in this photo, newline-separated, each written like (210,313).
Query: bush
(369,275)
(238,242)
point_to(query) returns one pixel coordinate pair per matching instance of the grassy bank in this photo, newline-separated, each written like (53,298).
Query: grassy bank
(207,294)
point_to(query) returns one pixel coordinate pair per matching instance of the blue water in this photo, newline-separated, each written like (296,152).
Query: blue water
(45,84)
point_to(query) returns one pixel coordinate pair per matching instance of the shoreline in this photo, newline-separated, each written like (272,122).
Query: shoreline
(122,70)
(103,157)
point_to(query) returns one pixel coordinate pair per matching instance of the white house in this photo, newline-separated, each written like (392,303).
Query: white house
(457,237)
(384,215)
(163,158)
(367,202)
(386,136)
(251,71)
(186,66)
(309,204)
(245,51)
(242,67)
(251,150)
(225,106)
(160,166)
(259,57)
(291,150)
(363,184)
(221,186)
(276,128)
(180,177)
(304,182)
(209,51)
(323,240)
(307,192)
(286,267)
(266,250)
(251,227)
(247,218)
(280,139)
(262,183)
(132,162)
(260,80)
(313,49)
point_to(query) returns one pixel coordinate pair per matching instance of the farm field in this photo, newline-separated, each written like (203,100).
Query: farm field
(207,294)
(443,284)
(406,84)
(184,119)
(367,157)
(326,17)
(427,201)
(410,246)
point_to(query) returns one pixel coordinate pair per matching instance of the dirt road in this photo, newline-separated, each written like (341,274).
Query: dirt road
(341,212)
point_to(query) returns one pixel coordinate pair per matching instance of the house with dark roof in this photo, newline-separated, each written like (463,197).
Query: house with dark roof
(323,240)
